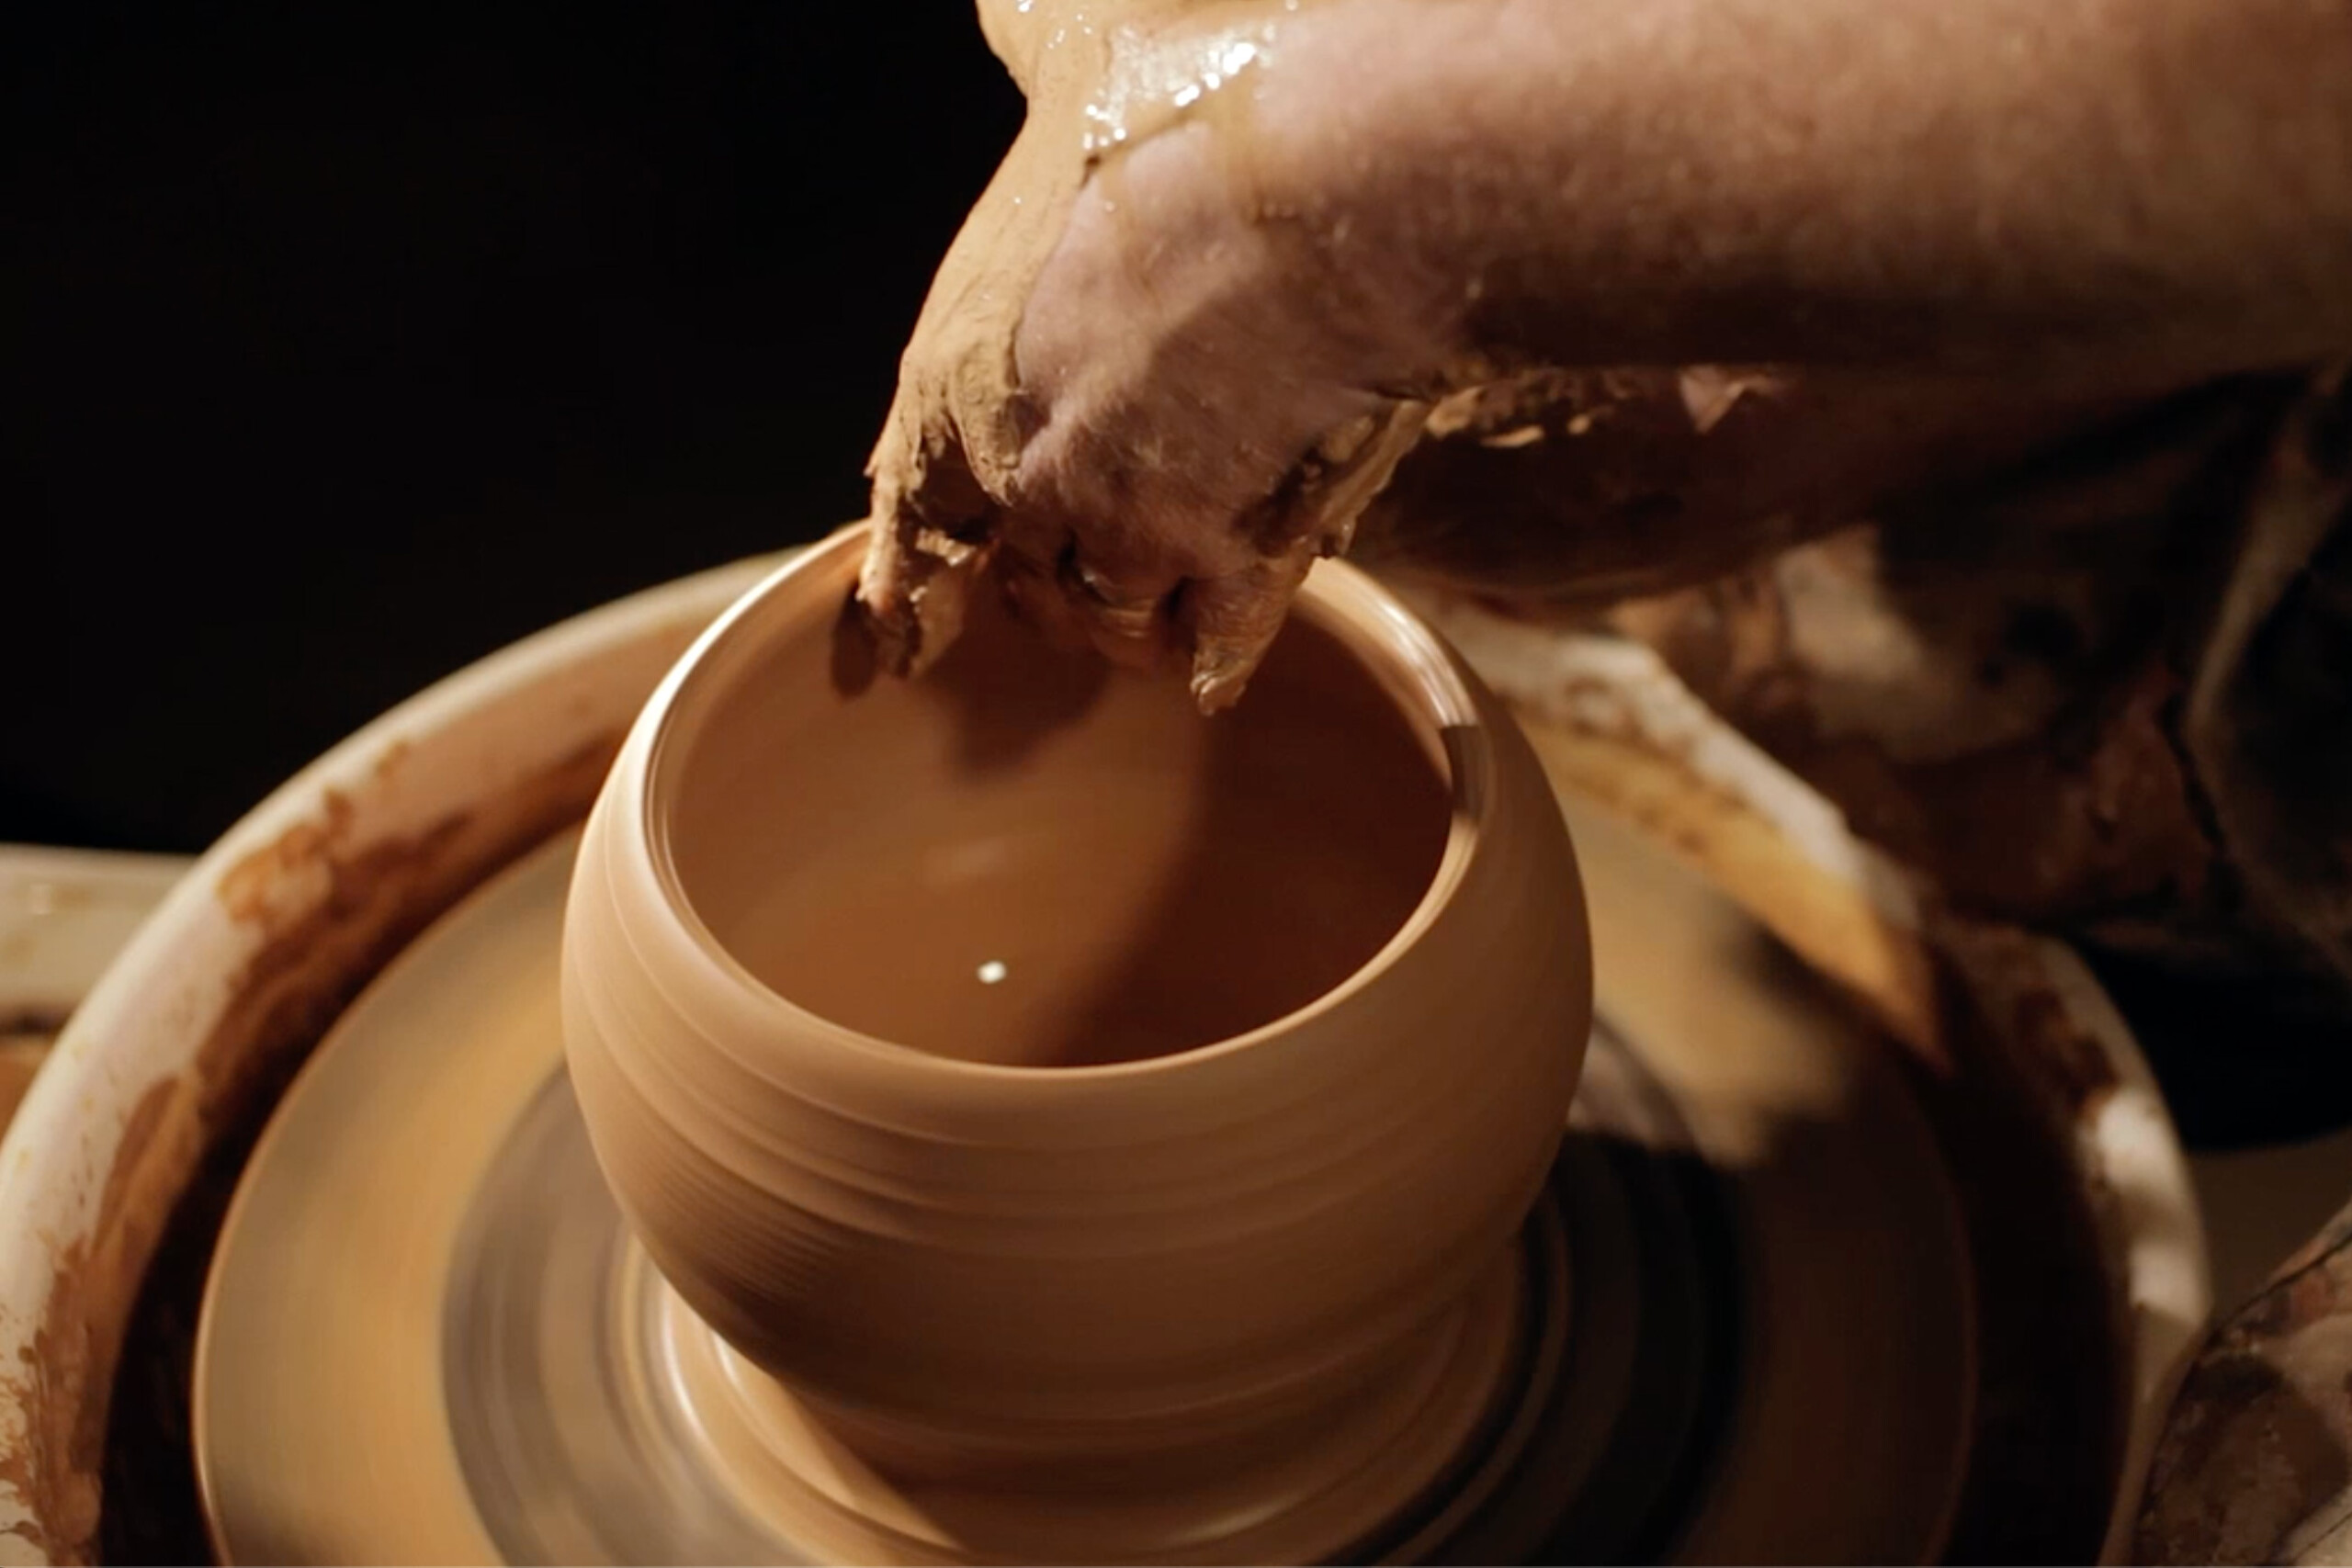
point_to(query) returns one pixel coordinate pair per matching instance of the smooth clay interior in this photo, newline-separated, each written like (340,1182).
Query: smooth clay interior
(1028,858)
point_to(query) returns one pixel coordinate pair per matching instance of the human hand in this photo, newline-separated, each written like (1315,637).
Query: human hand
(1130,396)
(1164,370)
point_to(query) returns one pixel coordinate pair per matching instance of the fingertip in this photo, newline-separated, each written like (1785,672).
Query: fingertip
(1232,621)
(913,587)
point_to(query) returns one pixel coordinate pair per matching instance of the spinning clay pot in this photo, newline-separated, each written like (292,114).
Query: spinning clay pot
(1039,1089)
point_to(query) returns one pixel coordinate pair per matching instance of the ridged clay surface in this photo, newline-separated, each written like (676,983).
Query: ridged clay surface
(1051,1088)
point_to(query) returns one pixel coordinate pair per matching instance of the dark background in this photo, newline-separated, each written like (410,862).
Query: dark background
(335,354)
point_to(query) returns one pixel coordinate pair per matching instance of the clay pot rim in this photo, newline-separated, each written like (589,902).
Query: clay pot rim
(1400,653)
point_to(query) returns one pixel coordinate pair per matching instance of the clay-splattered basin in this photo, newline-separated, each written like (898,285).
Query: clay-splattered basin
(125,1150)
(180,1049)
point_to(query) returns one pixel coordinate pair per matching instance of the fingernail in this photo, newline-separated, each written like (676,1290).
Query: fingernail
(1220,674)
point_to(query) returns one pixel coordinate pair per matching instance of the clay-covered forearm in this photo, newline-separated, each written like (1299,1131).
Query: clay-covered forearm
(2150,190)
(1244,253)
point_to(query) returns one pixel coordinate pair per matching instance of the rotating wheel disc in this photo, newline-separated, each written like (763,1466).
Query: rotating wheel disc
(1747,1328)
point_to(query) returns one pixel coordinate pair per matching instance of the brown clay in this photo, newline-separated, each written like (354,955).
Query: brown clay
(1029,859)
(1043,1090)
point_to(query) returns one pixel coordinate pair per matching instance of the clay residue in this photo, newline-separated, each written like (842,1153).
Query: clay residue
(2255,1462)
(319,951)
(70,1362)
(1568,490)
(951,438)
(1101,78)
(2071,1072)
(1832,926)
(376,898)
(2051,790)
(2054,1411)
(1634,746)
(2009,1079)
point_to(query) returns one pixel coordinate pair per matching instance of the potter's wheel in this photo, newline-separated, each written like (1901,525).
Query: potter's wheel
(1745,1318)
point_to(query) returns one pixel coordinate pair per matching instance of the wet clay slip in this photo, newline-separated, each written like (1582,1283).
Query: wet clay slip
(1071,1127)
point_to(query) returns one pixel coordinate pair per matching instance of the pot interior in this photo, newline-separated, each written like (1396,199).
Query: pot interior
(1031,859)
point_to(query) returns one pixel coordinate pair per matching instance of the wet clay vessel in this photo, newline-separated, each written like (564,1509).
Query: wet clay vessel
(1071,1127)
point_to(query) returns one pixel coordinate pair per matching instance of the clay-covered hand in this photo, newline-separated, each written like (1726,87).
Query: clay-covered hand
(1139,392)
(1243,254)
